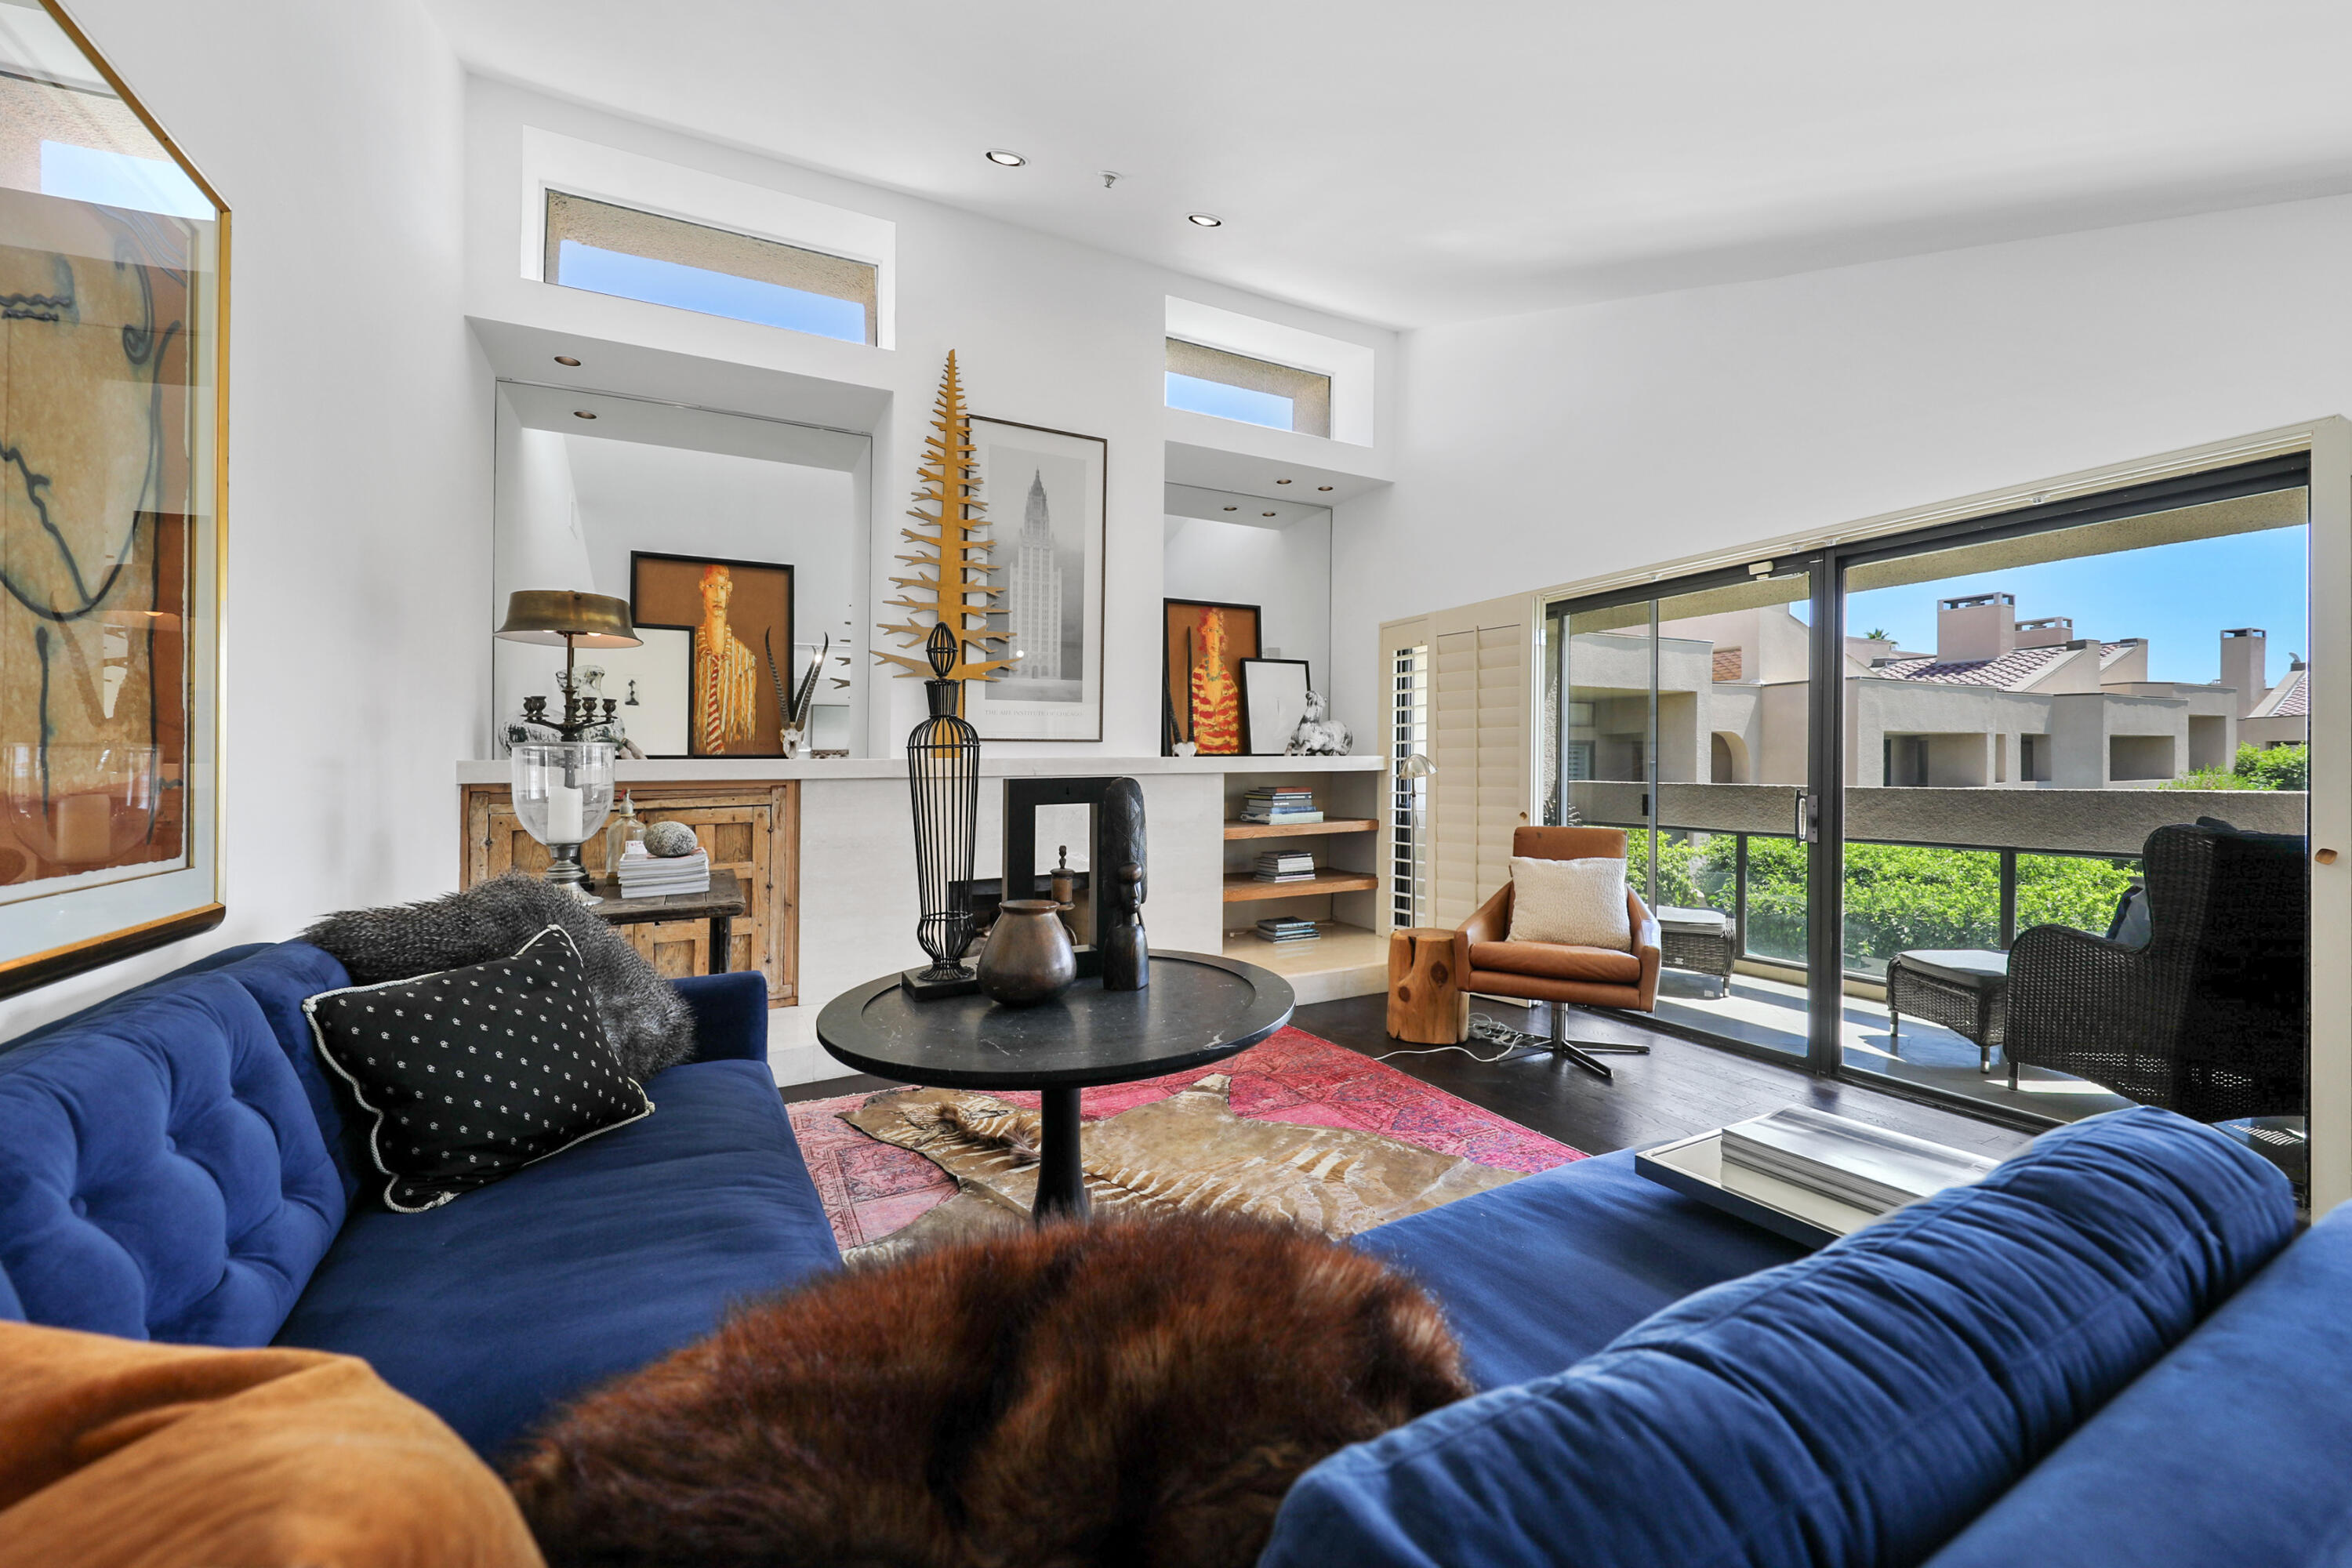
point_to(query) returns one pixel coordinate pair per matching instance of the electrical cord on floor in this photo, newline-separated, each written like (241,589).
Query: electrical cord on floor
(1482,1027)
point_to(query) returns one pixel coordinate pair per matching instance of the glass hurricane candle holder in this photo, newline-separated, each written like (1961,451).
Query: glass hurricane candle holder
(562,791)
(79,807)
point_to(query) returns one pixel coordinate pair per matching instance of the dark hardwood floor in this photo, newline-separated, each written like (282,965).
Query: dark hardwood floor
(1680,1088)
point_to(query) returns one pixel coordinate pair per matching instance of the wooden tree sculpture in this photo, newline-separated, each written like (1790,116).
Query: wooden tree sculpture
(956,593)
(1216,700)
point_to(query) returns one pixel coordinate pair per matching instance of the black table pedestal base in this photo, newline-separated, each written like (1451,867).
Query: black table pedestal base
(1061,1177)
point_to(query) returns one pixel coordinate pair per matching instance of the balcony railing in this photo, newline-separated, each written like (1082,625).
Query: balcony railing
(1995,861)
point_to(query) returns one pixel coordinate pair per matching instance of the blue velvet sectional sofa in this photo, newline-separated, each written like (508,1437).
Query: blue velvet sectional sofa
(174,1166)
(2112,1351)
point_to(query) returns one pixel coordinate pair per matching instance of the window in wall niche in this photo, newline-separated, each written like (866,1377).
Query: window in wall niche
(609,250)
(1255,391)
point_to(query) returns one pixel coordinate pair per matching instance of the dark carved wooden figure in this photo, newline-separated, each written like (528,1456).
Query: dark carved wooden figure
(1126,958)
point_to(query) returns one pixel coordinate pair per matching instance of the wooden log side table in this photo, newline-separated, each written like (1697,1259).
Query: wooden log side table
(719,906)
(1427,1006)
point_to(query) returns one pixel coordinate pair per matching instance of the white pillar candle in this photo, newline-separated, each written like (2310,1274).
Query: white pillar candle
(566,814)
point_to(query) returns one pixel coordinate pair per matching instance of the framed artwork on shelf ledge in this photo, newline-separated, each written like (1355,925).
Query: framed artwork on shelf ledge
(737,615)
(114,265)
(1202,645)
(1274,702)
(1045,492)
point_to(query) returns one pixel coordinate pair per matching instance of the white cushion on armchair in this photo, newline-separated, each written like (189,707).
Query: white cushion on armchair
(1581,903)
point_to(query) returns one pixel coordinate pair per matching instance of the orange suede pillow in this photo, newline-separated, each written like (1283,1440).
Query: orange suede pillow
(120,1454)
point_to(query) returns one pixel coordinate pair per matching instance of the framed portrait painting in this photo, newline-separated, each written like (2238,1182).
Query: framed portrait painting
(113,277)
(739,663)
(1202,645)
(1045,492)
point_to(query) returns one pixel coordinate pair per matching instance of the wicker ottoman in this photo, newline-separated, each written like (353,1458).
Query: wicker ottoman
(1701,941)
(1964,989)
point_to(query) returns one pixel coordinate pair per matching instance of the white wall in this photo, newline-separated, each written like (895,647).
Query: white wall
(1046,332)
(1285,572)
(359,448)
(1550,447)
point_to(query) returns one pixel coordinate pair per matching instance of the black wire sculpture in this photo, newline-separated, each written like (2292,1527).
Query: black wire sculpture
(943,783)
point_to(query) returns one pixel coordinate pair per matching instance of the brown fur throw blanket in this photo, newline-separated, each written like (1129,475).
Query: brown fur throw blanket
(646,1023)
(1139,1393)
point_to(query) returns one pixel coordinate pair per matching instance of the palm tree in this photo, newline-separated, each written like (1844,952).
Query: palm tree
(1876,634)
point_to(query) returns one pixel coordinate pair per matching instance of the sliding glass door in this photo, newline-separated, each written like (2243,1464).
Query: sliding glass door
(1686,718)
(2012,811)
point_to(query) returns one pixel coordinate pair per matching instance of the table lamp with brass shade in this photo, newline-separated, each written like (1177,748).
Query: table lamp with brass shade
(564,618)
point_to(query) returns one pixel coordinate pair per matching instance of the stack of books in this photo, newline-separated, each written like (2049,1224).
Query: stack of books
(1852,1162)
(1272,803)
(1285,866)
(644,875)
(1284,929)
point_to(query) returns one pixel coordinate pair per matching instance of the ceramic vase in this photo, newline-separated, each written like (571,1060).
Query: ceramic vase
(1028,958)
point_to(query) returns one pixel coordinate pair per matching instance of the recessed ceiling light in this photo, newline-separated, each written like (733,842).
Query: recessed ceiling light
(582,414)
(567,359)
(1282,482)
(1233,508)
(1322,487)
(1206,220)
(1006,158)
(1266,514)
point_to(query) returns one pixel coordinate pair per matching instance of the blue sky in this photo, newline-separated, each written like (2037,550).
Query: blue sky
(712,293)
(1230,401)
(2178,596)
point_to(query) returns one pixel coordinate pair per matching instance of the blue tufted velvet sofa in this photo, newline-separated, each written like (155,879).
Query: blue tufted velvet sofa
(174,1166)
(2111,1351)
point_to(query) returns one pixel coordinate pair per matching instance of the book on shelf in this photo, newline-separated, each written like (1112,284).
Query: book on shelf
(1287,930)
(1853,1161)
(1285,860)
(1280,818)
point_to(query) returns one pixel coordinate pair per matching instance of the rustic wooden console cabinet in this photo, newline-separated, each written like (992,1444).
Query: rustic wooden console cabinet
(752,829)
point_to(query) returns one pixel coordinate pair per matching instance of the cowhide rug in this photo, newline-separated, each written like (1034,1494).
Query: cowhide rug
(1186,1152)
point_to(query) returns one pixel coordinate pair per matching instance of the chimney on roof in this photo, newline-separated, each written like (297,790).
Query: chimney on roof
(2050,631)
(1979,625)
(2245,665)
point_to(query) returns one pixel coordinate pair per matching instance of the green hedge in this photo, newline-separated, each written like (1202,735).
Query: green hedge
(1897,896)
(2283,766)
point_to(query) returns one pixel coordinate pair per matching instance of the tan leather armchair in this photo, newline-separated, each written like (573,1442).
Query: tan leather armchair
(1490,963)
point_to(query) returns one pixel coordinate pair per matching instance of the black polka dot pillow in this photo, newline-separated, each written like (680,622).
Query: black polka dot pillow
(471,1074)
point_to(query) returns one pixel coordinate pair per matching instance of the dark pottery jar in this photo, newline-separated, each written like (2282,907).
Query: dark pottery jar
(1028,958)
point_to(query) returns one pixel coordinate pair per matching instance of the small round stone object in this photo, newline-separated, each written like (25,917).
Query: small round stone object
(669,839)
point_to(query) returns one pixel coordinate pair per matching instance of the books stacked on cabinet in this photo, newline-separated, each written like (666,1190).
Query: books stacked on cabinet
(1852,1162)
(1285,930)
(1285,866)
(644,875)
(1273,804)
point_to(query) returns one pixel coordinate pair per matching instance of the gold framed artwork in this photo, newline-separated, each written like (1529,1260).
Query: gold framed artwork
(113,315)
(738,666)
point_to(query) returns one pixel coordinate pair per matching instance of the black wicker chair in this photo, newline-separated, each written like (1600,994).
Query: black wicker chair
(2210,1017)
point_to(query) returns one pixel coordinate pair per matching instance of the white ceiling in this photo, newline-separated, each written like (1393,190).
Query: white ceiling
(1408,163)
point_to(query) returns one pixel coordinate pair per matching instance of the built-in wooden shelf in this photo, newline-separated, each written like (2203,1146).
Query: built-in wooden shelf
(1243,888)
(1299,829)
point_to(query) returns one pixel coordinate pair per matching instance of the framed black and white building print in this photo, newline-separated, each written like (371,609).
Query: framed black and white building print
(1046,493)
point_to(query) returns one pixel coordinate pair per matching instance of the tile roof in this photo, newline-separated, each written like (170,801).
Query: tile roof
(2290,699)
(1727,663)
(2012,671)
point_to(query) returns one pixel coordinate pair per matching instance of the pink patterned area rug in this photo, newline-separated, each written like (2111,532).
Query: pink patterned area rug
(871,1188)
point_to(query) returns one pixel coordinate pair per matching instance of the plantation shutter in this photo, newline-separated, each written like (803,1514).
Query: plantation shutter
(1478,716)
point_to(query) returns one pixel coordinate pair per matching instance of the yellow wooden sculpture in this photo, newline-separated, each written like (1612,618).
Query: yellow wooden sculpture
(956,594)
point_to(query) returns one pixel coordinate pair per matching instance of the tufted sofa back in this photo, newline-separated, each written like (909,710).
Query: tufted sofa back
(164,1173)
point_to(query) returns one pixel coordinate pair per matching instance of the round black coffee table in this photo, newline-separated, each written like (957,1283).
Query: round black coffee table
(1198,1009)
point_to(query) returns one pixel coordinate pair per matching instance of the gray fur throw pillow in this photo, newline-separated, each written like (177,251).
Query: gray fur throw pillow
(646,1022)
